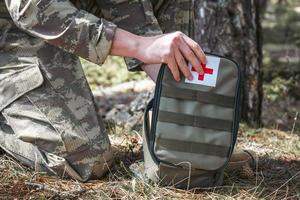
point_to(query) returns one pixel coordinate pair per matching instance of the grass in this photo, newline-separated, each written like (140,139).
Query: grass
(277,174)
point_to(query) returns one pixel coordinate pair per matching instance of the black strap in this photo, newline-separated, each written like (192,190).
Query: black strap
(189,120)
(193,147)
(147,128)
(194,95)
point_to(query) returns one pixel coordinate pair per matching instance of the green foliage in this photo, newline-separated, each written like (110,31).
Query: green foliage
(112,72)
(277,89)
(283,68)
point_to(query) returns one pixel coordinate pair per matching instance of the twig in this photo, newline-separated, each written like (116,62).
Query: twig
(44,187)
(294,124)
(40,186)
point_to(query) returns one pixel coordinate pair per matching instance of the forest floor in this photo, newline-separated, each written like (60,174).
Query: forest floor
(276,174)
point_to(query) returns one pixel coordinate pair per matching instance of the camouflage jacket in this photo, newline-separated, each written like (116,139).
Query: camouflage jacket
(76,26)
(62,24)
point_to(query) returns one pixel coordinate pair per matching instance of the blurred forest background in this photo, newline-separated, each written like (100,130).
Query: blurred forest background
(281,64)
(122,95)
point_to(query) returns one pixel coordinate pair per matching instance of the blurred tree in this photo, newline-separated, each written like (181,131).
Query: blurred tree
(232,28)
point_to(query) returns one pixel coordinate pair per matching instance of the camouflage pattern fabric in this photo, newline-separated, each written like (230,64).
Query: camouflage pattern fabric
(48,119)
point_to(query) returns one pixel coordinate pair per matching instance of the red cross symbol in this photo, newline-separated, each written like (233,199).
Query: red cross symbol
(206,71)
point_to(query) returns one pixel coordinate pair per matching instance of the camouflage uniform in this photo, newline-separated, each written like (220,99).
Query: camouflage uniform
(48,118)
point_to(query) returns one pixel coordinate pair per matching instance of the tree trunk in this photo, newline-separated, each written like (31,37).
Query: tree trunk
(232,28)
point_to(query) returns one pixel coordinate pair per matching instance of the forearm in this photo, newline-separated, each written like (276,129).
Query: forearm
(127,44)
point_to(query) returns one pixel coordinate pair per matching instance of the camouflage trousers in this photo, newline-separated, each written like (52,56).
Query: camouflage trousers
(48,117)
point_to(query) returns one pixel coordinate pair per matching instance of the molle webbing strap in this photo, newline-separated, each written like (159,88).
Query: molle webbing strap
(193,147)
(189,120)
(193,95)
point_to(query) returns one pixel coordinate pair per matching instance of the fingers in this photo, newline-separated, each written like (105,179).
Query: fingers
(196,49)
(174,68)
(182,64)
(190,55)
(180,49)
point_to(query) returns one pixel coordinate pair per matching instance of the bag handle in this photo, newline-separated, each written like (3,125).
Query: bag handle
(147,128)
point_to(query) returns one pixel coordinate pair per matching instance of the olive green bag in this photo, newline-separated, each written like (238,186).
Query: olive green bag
(190,136)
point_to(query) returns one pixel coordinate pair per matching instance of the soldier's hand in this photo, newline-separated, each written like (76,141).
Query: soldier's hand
(174,49)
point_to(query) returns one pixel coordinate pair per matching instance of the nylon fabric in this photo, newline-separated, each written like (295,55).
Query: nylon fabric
(192,134)
(196,108)
(195,160)
(192,147)
(189,120)
(198,96)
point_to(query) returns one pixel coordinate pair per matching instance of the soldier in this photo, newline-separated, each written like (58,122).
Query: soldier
(48,118)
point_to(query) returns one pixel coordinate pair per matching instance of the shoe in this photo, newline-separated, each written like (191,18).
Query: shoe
(240,158)
(243,162)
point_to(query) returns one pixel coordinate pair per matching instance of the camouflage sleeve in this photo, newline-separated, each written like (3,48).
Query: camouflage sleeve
(135,16)
(61,24)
